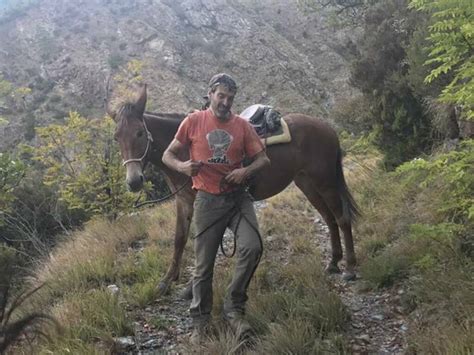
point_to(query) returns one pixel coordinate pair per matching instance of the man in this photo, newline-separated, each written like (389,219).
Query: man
(218,141)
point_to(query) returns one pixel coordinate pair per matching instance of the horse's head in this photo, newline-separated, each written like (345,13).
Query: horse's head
(133,137)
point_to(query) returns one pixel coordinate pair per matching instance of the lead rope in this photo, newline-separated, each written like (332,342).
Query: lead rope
(229,215)
(163,199)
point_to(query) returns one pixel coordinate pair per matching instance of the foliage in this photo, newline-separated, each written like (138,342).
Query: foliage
(453,174)
(6,89)
(84,165)
(394,111)
(452,49)
(412,208)
(11,173)
(353,115)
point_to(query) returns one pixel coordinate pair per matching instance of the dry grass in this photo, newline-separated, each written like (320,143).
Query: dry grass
(132,253)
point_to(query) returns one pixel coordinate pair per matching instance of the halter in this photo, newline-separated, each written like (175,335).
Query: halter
(149,140)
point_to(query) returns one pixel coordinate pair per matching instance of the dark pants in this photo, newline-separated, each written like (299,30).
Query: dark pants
(212,214)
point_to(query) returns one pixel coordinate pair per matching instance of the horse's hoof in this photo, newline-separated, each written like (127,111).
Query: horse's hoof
(162,288)
(333,269)
(349,276)
(187,292)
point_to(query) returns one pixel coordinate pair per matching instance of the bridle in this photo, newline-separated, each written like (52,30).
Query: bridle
(149,141)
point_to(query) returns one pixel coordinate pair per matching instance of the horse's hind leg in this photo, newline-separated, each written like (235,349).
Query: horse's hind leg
(334,201)
(306,185)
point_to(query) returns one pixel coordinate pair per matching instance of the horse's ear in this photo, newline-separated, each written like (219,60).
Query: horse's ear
(141,101)
(108,107)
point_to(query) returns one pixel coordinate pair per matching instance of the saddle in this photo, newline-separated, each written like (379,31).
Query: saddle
(268,124)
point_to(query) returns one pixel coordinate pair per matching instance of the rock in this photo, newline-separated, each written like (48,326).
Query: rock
(378,317)
(113,289)
(357,348)
(125,343)
(364,337)
(152,343)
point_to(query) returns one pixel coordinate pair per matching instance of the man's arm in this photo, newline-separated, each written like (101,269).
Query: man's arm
(171,159)
(238,176)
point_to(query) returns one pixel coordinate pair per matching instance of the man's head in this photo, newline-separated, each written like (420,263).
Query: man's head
(222,89)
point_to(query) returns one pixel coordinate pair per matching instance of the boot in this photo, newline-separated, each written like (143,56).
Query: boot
(239,325)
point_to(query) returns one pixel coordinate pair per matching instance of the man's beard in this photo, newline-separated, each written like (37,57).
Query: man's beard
(223,111)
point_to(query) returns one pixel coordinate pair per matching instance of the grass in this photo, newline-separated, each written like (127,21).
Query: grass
(416,233)
(132,253)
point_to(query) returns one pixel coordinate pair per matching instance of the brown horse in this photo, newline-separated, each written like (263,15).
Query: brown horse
(312,160)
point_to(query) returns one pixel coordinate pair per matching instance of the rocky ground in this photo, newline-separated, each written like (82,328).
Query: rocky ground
(377,324)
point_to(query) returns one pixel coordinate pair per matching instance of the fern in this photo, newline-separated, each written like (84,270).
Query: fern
(452,49)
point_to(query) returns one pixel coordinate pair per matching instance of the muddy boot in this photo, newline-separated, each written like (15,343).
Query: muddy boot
(239,325)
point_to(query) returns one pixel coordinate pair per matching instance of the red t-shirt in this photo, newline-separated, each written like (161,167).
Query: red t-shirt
(221,146)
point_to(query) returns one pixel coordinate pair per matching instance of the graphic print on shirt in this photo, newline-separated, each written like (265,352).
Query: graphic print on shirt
(219,142)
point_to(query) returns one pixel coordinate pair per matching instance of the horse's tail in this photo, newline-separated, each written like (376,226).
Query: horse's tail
(350,209)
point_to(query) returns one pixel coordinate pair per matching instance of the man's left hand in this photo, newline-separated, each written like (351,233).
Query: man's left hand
(237,176)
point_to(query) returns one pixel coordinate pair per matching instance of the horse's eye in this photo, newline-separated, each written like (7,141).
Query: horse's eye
(139,134)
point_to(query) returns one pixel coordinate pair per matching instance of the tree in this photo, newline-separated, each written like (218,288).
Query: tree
(11,173)
(452,49)
(380,69)
(85,166)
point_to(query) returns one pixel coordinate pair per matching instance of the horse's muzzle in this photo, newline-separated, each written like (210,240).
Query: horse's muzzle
(135,178)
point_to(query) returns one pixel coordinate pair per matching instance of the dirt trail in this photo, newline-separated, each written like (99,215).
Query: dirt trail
(377,324)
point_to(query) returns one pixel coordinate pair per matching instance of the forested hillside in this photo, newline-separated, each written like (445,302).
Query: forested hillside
(394,77)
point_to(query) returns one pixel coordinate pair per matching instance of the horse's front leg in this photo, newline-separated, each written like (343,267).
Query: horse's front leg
(184,213)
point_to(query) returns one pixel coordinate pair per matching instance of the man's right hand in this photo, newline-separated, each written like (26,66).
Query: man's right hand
(190,167)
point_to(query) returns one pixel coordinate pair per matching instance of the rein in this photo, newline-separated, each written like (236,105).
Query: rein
(160,200)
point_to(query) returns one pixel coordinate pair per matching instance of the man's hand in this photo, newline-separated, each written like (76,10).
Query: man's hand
(190,167)
(237,176)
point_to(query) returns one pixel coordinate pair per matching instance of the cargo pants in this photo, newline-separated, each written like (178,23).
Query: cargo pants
(212,214)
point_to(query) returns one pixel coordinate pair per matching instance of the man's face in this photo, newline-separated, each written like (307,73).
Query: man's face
(221,101)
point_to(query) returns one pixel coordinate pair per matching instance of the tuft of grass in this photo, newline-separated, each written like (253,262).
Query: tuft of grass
(160,323)
(87,258)
(444,297)
(141,271)
(88,318)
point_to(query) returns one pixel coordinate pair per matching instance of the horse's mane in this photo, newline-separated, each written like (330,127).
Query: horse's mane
(170,115)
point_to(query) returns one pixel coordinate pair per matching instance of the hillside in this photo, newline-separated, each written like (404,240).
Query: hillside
(65,51)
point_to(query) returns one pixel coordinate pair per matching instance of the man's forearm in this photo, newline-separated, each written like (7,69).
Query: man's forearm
(171,160)
(258,164)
